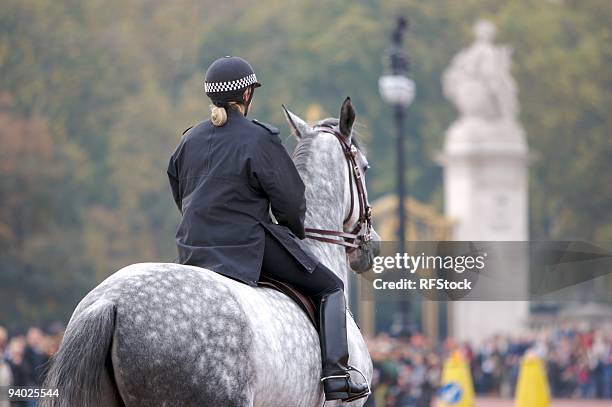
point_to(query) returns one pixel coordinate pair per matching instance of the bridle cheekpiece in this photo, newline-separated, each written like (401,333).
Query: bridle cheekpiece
(360,235)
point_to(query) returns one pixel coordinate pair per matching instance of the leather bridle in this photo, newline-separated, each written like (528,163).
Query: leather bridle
(360,235)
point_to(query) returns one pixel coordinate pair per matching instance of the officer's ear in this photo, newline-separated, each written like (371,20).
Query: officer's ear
(347,118)
(248,94)
(298,126)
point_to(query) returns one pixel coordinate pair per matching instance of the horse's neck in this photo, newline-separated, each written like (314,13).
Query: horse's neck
(325,183)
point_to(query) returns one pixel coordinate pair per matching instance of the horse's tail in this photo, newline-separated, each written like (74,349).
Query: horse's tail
(78,368)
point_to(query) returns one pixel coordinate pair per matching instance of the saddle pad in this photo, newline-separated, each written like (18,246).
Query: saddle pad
(302,300)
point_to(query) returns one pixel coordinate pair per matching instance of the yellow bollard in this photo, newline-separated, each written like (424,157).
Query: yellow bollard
(456,388)
(532,386)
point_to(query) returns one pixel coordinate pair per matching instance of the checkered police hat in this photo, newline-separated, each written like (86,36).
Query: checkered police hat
(227,77)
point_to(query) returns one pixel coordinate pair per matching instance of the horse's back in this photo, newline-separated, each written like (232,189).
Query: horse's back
(181,337)
(189,336)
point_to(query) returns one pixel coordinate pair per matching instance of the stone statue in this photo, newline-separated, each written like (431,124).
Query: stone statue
(478,81)
(485,161)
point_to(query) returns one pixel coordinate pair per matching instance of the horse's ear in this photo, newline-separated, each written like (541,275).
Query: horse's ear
(347,118)
(299,126)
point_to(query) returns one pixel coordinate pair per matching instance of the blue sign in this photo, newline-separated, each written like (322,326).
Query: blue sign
(450,393)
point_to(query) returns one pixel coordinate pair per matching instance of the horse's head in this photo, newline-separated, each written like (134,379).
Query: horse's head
(333,163)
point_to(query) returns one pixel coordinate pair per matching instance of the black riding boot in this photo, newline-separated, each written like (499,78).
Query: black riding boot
(336,379)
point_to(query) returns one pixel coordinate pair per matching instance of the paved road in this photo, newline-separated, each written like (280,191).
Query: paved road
(496,402)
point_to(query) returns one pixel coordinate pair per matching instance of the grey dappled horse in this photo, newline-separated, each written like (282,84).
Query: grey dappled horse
(168,334)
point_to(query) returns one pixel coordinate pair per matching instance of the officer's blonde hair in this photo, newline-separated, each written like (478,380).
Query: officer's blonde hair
(218,114)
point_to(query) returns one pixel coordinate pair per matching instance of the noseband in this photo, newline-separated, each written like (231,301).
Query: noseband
(353,239)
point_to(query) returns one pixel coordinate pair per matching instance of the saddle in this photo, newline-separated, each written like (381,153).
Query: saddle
(300,299)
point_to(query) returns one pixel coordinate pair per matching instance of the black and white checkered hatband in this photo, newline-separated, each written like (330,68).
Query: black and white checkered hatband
(218,87)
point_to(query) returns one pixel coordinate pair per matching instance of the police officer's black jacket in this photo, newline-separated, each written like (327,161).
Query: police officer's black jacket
(223,180)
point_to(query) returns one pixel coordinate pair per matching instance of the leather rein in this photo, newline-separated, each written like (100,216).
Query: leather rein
(353,239)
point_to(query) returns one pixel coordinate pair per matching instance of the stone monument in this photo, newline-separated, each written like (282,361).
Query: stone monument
(485,160)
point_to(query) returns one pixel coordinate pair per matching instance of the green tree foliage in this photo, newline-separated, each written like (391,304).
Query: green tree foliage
(94,96)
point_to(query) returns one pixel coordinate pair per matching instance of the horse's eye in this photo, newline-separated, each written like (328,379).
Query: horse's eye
(366,167)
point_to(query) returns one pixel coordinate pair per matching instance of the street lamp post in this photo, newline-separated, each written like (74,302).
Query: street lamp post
(397,90)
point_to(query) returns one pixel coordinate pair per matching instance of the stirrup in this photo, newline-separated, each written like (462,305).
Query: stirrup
(344,376)
(348,376)
(348,400)
(354,369)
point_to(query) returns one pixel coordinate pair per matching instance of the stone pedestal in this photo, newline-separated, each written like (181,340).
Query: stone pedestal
(485,194)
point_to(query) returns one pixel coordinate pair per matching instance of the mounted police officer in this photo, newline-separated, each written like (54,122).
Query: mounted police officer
(225,175)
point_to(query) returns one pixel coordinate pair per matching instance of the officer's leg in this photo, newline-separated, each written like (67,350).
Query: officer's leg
(327,290)
(279,264)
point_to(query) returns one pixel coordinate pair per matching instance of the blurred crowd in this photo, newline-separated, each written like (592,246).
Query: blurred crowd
(24,356)
(407,371)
